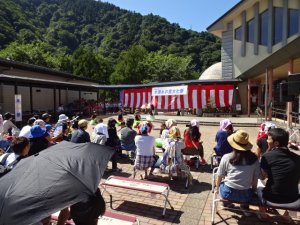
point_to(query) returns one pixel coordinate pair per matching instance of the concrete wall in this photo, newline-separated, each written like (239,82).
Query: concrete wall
(42,98)
(226,52)
(241,63)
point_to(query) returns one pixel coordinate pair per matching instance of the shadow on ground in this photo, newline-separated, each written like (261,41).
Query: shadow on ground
(149,211)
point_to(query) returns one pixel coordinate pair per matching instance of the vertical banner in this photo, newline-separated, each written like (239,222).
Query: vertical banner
(18,108)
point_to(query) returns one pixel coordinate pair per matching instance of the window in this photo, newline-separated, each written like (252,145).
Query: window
(278,25)
(250,31)
(263,21)
(293,24)
(238,34)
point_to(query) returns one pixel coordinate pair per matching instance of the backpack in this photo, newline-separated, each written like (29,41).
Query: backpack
(5,169)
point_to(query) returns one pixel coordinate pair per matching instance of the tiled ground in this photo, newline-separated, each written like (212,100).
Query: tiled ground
(192,206)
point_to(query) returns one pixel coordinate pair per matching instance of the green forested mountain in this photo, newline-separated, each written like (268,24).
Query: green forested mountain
(99,40)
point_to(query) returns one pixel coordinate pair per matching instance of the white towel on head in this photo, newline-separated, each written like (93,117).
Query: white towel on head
(101,128)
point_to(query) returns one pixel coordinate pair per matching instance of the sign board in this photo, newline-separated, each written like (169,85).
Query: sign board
(238,107)
(174,90)
(18,108)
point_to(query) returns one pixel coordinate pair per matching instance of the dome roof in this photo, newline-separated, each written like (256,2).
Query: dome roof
(214,72)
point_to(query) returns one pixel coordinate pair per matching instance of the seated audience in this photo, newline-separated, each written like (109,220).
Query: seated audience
(145,151)
(25,131)
(46,118)
(137,120)
(238,171)
(128,135)
(8,124)
(100,134)
(80,135)
(20,148)
(61,129)
(120,119)
(94,120)
(172,158)
(225,130)
(192,141)
(165,133)
(281,168)
(262,144)
(114,142)
(37,140)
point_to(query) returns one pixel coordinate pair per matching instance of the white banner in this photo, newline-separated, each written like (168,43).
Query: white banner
(174,90)
(18,108)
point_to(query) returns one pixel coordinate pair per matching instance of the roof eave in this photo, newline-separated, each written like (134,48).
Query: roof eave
(40,69)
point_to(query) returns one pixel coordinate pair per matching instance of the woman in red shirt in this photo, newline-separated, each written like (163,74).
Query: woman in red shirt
(193,144)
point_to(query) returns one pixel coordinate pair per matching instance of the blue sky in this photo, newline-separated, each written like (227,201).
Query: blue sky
(190,14)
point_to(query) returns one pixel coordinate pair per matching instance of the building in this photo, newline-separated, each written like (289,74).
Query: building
(41,89)
(260,46)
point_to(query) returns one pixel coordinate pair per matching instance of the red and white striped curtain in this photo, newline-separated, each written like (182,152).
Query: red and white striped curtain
(199,96)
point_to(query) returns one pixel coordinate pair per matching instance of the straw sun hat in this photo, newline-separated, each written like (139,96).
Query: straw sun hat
(240,141)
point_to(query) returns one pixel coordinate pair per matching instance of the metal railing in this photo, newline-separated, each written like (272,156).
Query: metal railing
(279,112)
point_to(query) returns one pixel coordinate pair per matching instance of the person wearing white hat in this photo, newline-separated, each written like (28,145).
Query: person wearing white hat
(238,171)
(60,127)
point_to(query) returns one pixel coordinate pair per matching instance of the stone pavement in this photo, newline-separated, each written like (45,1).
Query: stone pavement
(192,206)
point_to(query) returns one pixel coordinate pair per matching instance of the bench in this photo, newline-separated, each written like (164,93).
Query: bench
(109,218)
(138,185)
(256,203)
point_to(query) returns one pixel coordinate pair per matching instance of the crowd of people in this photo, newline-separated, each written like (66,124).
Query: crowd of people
(270,171)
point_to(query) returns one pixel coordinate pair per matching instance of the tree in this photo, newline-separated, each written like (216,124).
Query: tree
(87,63)
(163,68)
(129,69)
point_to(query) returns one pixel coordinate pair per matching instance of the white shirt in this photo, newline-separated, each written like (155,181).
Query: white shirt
(144,145)
(7,124)
(25,132)
(12,157)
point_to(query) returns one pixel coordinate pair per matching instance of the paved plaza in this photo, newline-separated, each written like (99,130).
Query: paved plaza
(192,206)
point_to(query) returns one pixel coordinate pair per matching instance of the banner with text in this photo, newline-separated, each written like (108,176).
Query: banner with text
(174,90)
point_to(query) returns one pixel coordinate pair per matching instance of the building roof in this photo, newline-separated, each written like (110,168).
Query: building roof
(37,81)
(171,83)
(213,72)
(217,26)
(4,63)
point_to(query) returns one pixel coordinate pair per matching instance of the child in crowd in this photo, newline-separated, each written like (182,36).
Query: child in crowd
(94,120)
(137,120)
(173,158)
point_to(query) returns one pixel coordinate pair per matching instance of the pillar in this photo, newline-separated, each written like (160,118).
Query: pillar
(31,98)
(270,92)
(249,97)
(259,95)
(54,100)
(289,105)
